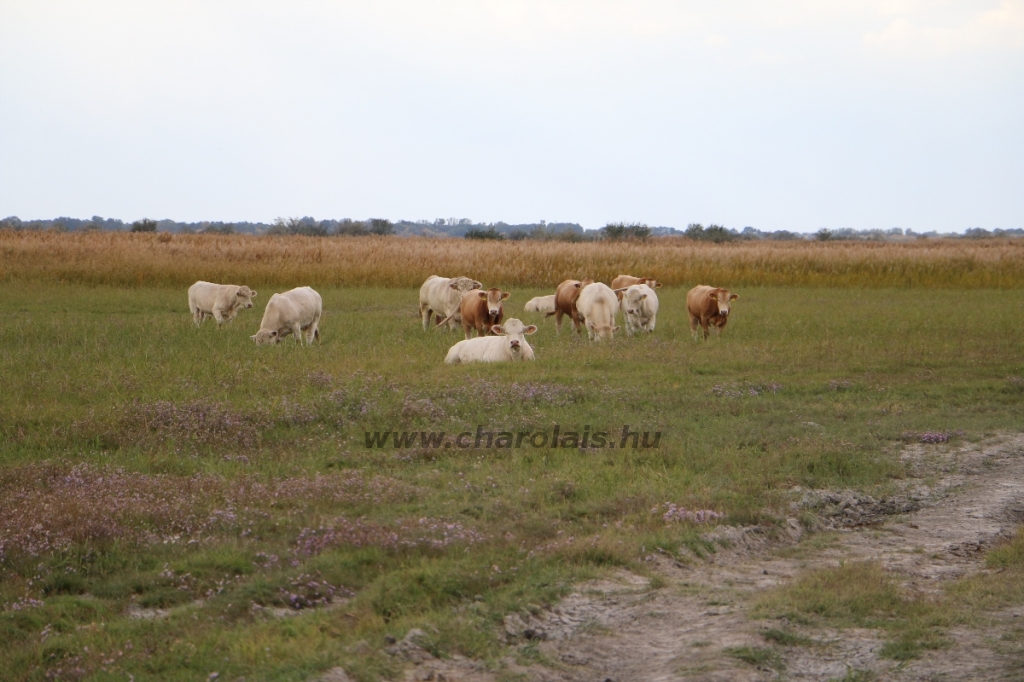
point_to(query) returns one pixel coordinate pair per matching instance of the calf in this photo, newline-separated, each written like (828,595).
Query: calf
(639,308)
(565,303)
(708,306)
(481,310)
(294,312)
(441,296)
(541,304)
(219,301)
(597,304)
(509,346)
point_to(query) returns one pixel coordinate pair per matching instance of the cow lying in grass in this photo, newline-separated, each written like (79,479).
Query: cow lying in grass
(295,312)
(541,304)
(219,301)
(509,345)
(708,306)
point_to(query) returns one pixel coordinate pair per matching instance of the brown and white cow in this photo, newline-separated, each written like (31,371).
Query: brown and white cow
(481,310)
(565,303)
(708,306)
(624,281)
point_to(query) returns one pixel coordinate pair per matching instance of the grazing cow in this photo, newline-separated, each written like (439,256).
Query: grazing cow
(294,312)
(565,303)
(597,304)
(639,308)
(441,296)
(481,310)
(708,306)
(623,281)
(541,304)
(219,301)
(509,345)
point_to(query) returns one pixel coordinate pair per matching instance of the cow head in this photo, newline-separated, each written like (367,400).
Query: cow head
(605,332)
(266,337)
(246,295)
(463,284)
(722,298)
(494,297)
(651,282)
(514,331)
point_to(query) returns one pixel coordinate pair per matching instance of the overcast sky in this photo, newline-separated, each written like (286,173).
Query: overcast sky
(779,115)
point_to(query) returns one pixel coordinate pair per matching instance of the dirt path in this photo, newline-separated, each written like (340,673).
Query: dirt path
(957,503)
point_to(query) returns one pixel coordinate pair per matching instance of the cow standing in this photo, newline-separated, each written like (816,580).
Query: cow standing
(639,308)
(481,310)
(565,303)
(708,306)
(219,301)
(509,345)
(295,312)
(597,304)
(441,296)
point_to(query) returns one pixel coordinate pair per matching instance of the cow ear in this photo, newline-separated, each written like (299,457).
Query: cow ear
(642,297)
(253,295)
(530,329)
(253,337)
(657,285)
(505,295)
(482,295)
(615,328)
(239,293)
(496,329)
(453,285)
(734,297)
(577,285)
(273,333)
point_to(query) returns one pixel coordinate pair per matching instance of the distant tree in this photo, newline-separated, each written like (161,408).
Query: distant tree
(718,234)
(220,228)
(619,231)
(823,235)
(144,225)
(518,235)
(977,233)
(351,228)
(489,233)
(306,226)
(695,231)
(381,226)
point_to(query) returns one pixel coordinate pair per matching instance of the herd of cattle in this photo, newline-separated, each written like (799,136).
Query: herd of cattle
(455,301)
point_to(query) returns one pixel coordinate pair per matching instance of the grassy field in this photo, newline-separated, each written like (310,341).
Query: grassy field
(148,465)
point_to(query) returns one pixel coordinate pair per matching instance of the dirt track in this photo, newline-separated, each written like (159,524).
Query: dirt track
(956,504)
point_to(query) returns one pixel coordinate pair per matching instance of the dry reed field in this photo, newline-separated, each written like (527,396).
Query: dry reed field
(128,259)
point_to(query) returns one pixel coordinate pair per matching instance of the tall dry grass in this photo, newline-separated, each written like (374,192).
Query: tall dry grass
(128,259)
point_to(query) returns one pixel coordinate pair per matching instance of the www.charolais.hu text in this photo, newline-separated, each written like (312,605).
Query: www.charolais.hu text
(553,438)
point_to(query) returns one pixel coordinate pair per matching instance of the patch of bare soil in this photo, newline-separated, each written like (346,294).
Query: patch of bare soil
(958,502)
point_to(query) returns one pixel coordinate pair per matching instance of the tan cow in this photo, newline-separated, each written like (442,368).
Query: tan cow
(219,301)
(441,296)
(708,306)
(565,303)
(481,310)
(624,281)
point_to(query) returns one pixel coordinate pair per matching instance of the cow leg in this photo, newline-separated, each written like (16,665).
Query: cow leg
(704,326)
(693,327)
(197,317)
(219,316)
(558,321)
(467,329)
(425,312)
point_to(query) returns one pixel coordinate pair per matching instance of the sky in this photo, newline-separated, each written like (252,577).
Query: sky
(790,115)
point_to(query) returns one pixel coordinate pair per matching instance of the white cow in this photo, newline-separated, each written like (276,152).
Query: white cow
(541,304)
(292,312)
(441,296)
(509,345)
(639,308)
(597,304)
(219,301)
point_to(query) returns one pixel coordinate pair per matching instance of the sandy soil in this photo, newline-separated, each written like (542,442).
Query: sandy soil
(956,504)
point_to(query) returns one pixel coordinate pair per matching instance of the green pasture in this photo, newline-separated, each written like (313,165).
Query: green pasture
(806,387)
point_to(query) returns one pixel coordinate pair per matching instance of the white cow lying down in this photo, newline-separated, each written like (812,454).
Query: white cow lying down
(292,312)
(541,304)
(509,345)
(219,301)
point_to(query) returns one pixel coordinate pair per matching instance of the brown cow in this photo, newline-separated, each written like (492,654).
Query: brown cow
(565,303)
(623,282)
(708,306)
(481,310)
